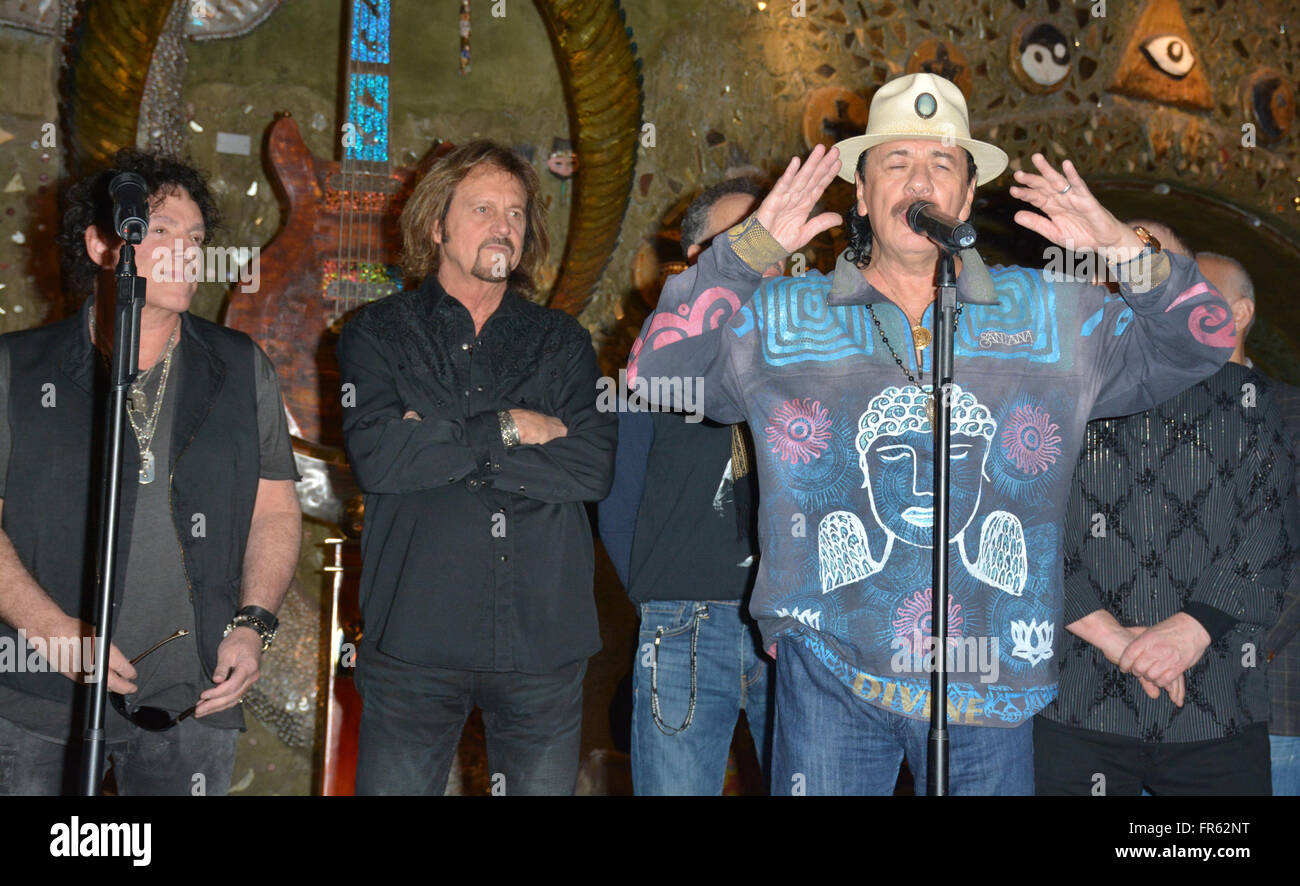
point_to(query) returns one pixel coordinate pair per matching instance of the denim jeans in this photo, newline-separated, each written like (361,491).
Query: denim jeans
(412,717)
(188,759)
(1284,751)
(828,741)
(689,688)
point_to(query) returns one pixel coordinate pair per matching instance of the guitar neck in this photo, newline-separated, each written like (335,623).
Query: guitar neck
(363,187)
(365,130)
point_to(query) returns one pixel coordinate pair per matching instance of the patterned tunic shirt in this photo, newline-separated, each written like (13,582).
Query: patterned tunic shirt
(845,452)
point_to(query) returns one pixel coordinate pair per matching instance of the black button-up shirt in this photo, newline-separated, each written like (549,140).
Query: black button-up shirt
(474,556)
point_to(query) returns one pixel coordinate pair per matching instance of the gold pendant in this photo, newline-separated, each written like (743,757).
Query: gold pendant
(921,336)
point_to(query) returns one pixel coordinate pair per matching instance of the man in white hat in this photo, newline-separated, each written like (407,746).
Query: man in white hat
(835,373)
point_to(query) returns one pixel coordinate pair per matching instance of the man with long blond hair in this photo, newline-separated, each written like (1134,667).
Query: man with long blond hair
(471,424)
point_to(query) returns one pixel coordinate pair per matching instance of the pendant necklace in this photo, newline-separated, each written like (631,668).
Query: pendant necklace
(144,426)
(922,337)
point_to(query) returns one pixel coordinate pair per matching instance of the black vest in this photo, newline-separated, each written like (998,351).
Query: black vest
(56,401)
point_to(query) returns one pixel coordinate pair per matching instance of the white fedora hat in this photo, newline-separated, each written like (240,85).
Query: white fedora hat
(921,106)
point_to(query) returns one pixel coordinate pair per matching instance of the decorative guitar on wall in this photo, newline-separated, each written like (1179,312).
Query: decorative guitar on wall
(339,245)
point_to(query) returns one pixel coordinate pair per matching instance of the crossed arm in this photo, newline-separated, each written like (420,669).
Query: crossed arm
(567,457)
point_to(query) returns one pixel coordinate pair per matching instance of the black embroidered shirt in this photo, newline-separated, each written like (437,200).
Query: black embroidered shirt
(1190,507)
(474,556)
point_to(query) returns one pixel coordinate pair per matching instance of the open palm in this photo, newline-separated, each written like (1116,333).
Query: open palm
(785,210)
(1074,219)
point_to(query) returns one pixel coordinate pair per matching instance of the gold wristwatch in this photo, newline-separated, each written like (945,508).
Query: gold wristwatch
(1150,244)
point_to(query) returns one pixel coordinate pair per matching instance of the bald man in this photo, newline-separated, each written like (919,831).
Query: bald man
(1183,542)
(1281,649)
(1230,278)
(678,526)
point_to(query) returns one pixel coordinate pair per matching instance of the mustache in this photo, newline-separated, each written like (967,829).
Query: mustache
(498,241)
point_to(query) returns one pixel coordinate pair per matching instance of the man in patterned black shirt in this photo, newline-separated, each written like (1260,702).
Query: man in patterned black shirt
(1182,527)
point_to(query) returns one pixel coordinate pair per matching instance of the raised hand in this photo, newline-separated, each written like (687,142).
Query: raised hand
(1075,220)
(784,212)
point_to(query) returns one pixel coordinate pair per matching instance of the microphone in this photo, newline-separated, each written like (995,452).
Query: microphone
(130,197)
(948,233)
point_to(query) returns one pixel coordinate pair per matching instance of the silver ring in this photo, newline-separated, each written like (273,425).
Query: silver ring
(1066,188)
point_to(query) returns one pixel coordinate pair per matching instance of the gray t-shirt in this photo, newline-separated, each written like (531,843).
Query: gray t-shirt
(155,602)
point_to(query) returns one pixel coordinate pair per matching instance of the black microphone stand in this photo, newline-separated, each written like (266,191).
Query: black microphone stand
(126,359)
(944,320)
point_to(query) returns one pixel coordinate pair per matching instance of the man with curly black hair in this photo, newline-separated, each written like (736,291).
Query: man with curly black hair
(209,515)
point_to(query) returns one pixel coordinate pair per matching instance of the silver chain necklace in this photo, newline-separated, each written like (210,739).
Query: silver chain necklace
(145,426)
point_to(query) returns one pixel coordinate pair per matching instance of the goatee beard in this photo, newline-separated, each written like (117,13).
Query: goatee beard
(483,272)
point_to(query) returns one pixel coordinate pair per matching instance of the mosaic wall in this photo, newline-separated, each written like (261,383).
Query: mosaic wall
(1197,130)
(716,110)
(29,174)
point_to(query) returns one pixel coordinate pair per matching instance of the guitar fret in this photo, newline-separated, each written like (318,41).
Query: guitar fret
(381,69)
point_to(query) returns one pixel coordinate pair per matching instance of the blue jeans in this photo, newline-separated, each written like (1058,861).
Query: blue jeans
(688,690)
(828,741)
(412,717)
(1284,751)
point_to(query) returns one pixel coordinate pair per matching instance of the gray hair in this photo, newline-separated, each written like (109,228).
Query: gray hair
(695,224)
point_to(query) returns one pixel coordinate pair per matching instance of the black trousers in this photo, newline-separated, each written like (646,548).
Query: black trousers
(1069,761)
(412,717)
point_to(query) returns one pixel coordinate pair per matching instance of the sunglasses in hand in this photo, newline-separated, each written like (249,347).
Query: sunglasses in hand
(150,718)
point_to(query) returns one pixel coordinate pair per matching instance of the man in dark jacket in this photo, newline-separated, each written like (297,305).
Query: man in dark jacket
(210,521)
(471,423)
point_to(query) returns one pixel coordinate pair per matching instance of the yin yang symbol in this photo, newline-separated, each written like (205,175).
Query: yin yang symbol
(1045,55)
